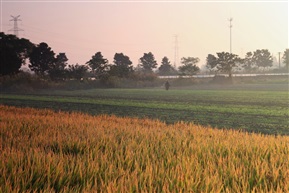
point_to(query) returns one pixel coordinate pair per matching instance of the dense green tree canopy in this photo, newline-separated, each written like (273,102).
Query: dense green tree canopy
(76,71)
(13,53)
(122,66)
(148,62)
(286,58)
(225,62)
(61,61)
(262,58)
(42,59)
(166,68)
(189,66)
(249,65)
(98,64)
(57,69)
(211,62)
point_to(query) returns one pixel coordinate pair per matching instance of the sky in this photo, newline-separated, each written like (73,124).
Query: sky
(174,29)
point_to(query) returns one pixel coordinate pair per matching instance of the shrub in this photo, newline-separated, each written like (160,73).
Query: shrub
(25,82)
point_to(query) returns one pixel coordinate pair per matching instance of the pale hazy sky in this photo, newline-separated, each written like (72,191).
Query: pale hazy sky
(82,28)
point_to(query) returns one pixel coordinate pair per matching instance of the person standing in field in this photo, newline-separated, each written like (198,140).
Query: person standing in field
(167,85)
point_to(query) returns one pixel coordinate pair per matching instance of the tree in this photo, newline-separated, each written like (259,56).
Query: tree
(166,68)
(148,62)
(76,71)
(248,63)
(98,64)
(57,69)
(286,58)
(189,66)
(211,63)
(42,59)
(122,66)
(13,53)
(225,62)
(262,58)
(60,61)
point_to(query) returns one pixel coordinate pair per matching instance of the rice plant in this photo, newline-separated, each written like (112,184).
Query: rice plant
(47,151)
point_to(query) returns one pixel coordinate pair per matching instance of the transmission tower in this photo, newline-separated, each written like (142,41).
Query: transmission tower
(230,26)
(15,29)
(176,48)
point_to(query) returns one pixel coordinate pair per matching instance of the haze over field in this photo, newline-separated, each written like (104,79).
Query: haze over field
(80,29)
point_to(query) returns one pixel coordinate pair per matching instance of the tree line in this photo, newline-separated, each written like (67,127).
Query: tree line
(43,61)
(253,62)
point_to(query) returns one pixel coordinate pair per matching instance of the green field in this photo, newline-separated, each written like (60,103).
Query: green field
(252,108)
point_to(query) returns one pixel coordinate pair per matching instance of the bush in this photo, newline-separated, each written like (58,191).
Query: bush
(221,79)
(144,76)
(183,81)
(24,81)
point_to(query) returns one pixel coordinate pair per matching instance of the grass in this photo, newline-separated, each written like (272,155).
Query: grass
(264,111)
(47,151)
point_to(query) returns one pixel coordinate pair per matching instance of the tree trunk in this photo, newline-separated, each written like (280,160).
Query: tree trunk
(230,73)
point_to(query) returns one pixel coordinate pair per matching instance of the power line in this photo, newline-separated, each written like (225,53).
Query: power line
(15,29)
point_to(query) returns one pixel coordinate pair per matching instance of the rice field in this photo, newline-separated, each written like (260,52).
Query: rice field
(48,151)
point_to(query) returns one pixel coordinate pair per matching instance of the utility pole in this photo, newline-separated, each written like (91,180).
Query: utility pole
(176,48)
(230,26)
(15,29)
